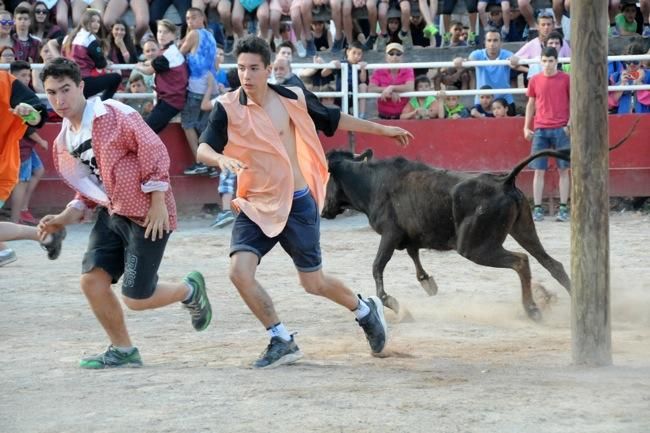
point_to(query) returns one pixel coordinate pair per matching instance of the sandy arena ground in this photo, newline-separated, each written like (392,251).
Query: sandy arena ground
(471,362)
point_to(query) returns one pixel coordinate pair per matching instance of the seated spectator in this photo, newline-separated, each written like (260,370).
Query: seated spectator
(626,22)
(504,13)
(150,51)
(417,26)
(26,47)
(314,77)
(142,105)
(421,107)
(455,39)
(500,107)
(484,107)
(632,101)
(121,49)
(556,41)
(285,49)
(390,83)
(42,26)
(171,78)
(354,56)
(85,48)
(448,8)
(290,8)
(6,26)
(498,76)
(115,9)
(321,34)
(458,77)
(283,75)
(257,8)
(449,106)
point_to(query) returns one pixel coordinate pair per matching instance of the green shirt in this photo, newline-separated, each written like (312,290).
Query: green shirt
(427,102)
(622,24)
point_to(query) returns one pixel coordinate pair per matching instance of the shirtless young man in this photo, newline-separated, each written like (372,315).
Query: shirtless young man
(267,135)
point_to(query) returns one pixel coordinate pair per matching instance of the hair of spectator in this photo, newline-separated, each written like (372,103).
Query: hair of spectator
(625,5)
(19,65)
(634,49)
(84,23)
(255,45)
(486,87)
(456,24)
(500,101)
(60,68)
(549,52)
(152,41)
(421,79)
(23,10)
(355,44)
(492,29)
(197,10)
(136,77)
(545,16)
(128,41)
(557,36)
(170,26)
(47,24)
(285,44)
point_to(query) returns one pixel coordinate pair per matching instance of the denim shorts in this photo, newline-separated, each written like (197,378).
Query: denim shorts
(549,138)
(118,246)
(300,237)
(29,166)
(227,180)
(192,116)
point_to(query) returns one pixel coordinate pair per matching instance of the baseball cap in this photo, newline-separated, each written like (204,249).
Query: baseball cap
(394,46)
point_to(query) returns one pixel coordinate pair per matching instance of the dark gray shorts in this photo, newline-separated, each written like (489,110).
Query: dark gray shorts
(118,246)
(300,237)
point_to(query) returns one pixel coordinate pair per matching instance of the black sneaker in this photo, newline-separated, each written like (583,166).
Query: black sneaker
(279,352)
(112,358)
(199,304)
(53,247)
(196,169)
(374,324)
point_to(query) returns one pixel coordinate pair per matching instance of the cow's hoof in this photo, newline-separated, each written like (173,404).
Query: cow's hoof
(534,313)
(429,285)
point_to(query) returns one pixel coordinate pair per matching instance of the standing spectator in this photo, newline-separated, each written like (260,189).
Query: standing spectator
(484,107)
(353,56)
(25,45)
(533,48)
(86,49)
(498,76)
(121,49)
(42,26)
(421,107)
(449,106)
(631,101)
(31,167)
(390,83)
(117,8)
(170,78)
(547,123)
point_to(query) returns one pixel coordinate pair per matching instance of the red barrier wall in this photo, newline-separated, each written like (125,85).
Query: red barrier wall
(472,145)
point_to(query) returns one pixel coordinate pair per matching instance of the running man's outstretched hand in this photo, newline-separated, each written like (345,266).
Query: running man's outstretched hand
(402,136)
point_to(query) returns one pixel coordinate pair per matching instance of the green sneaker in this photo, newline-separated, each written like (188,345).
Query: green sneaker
(430,30)
(199,304)
(112,358)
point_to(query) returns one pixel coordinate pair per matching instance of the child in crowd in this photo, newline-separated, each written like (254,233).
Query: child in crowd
(484,107)
(170,79)
(450,106)
(504,11)
(353,56)
(321,35)
(421,107)
(142,105)
(31,167)
(626,20)
(499,108)
(26,47)
(456,36)
(150,51)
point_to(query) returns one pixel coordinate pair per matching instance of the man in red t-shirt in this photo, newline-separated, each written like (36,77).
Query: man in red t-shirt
(547,123)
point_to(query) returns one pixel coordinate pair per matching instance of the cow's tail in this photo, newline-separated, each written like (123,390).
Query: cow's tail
(560,154)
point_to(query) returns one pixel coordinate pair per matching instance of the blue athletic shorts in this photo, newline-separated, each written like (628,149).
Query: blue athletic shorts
(118,246)
(549,138)
(300,237)
(29,166)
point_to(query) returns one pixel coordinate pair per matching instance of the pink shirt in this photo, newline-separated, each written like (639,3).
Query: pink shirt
(384,78)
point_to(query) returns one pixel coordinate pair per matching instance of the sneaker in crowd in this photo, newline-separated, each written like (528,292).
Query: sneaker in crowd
(646,31)
(407,41)
(229,45)
(337,46)
(199,304)
(54,245)
(382,42)
(538,214)
(223,219)
(196,169)
(613,32)
(472,39)
(430,30)
(370,43)
(504,34)
(374,324)
(562,214)
(279,352)
(311,48)
(112,358)
(7,256)
(300,49)
(26,217)
(213,172)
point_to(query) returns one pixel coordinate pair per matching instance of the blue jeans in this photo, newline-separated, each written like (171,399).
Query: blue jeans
(549,138)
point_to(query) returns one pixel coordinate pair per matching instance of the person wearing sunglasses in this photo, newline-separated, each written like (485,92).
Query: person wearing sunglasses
(42,26)
(632,74)
(391,82)
(6,25)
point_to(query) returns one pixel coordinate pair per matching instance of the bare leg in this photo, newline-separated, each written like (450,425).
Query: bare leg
(527,12)
(31,187)
(238,19)
(140,10)
(165,294)
(348,26)
(264,18)
(17,200)
(224,8)
(192,140)
(114,10)
(565,185)
(538,187)
(317,283)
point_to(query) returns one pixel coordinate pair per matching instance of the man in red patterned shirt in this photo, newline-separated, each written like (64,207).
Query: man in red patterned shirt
(119,167)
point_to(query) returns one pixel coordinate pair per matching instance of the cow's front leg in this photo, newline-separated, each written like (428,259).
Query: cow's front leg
(426,281)
(384,253)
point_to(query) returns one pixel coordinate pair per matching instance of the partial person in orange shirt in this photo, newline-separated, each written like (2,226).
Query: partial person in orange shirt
(267,135)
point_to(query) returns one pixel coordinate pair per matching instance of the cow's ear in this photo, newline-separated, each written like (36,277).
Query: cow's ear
(365,156)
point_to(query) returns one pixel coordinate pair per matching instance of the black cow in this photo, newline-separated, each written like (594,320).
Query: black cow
(412,206)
